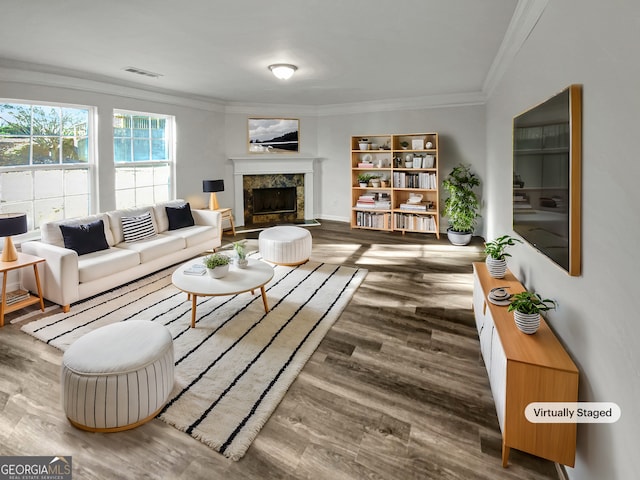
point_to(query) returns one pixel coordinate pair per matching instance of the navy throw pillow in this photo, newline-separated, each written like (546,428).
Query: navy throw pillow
(85,238)
(180,217)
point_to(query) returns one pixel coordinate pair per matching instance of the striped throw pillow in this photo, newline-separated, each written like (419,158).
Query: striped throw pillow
(137,228)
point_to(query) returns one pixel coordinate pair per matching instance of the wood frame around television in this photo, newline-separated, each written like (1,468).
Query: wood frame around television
(562,110)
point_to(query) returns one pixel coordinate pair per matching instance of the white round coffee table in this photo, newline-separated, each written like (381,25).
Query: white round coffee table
(238,280)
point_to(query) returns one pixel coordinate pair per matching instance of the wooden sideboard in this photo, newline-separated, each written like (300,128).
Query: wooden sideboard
(523,369)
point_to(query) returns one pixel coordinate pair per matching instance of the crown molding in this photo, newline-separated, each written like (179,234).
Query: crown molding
(270,109)
(40,75)
(410,103)
(524,19)
(19,72)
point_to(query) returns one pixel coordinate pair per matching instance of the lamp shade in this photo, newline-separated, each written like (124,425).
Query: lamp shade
(210,186)
(12,224)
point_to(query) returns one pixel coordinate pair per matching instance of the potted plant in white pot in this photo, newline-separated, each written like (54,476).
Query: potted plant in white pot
(526,308)
(363,179)
(497,256)
(217,265)
(240,248)
(462,205)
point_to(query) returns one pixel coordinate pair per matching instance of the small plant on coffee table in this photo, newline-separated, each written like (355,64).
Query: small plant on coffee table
(216,260)
(240,248)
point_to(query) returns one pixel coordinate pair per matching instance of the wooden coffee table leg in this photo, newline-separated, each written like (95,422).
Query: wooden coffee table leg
(194,297)
(264,299)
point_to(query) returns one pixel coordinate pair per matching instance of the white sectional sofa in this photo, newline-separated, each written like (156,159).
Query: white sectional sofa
(68,276)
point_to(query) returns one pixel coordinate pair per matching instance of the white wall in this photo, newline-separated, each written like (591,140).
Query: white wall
(200,145)
(593,43)
(461,137)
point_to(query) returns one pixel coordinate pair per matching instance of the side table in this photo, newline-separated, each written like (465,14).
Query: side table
(24,260)
(226,214)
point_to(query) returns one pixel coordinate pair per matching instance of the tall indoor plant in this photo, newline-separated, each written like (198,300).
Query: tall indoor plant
(462,205)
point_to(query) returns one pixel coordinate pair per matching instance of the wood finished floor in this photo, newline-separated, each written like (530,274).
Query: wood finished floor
(396,390)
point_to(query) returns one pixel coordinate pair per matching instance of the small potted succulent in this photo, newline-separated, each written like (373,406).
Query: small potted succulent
(240,248)
(497,256)
(217,265)
(363,179)
(526,308)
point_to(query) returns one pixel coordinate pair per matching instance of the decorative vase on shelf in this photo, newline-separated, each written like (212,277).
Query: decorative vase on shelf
(527,322)
(497,268)
(219,271)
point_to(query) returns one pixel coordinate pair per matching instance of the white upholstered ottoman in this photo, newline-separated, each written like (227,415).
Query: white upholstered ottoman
(285,245)
(118,376)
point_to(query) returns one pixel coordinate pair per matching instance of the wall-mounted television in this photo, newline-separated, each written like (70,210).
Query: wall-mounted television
(547,144)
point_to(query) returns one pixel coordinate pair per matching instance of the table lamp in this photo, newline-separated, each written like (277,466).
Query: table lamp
(11,224)
(213,186)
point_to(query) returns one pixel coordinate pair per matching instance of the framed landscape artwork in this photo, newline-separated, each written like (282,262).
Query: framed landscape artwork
(274,135)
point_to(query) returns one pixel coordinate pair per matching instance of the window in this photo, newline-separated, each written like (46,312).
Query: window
(45,160)
(143,157)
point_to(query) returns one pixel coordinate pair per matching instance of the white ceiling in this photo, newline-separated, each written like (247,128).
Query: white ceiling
(347,51)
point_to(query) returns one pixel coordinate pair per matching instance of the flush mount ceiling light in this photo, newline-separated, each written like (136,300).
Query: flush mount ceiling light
(283,71)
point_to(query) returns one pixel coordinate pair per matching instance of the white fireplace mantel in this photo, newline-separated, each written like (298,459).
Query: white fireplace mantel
(269,165)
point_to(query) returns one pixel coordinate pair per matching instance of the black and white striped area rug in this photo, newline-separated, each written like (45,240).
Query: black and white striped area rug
(233,369)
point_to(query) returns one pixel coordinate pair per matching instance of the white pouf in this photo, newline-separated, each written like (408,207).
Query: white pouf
(118,376)
(285,245)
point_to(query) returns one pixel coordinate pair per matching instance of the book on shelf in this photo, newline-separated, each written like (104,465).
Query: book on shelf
(16,296)
(422,180)
(373,220)
(418,207)
(422,223)
(374,205)
(378,200)
(365,165)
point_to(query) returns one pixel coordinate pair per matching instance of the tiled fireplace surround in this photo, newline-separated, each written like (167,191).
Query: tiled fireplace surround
(268,172)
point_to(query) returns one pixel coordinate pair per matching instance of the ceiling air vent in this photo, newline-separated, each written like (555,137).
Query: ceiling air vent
(140,71)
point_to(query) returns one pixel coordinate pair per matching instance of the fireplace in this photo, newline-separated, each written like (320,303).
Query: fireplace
(273,171)
(274,200)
